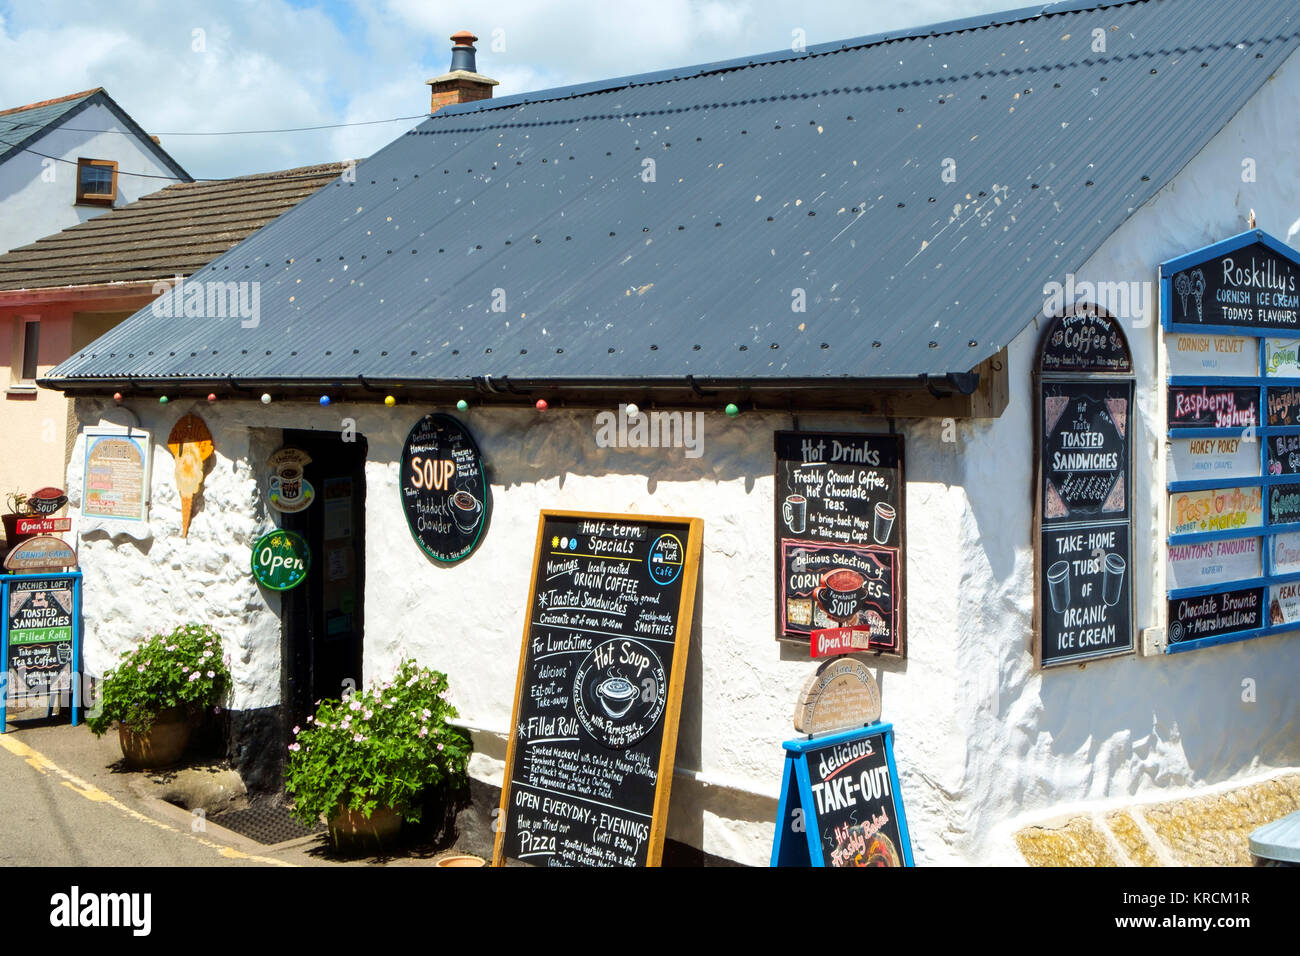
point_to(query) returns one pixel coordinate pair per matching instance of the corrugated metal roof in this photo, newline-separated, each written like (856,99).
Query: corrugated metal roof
(171,232)
(816,174)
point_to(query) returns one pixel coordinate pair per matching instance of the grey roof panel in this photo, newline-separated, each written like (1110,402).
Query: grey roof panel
(818,172)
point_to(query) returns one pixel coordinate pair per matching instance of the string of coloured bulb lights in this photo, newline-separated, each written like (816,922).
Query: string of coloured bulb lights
(731,409)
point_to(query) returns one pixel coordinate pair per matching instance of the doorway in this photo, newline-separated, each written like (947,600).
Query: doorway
(323,619)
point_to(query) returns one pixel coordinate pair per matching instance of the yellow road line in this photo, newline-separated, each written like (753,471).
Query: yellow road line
(45,765)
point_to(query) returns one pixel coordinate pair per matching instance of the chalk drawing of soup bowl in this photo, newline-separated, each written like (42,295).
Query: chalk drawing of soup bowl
(616,695)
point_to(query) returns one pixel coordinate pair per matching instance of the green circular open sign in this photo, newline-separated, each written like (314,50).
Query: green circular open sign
(280,560)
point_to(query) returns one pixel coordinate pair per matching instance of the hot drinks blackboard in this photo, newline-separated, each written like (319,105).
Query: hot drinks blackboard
(594,727)
(840,531)
(444,490)
(840,804)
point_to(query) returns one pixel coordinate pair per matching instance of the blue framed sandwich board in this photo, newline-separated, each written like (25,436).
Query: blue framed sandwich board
(40,639)
(840,803)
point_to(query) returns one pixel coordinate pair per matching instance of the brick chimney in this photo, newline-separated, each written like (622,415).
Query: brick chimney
(464,84)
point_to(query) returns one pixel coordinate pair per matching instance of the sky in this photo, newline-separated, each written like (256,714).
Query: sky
(184,66)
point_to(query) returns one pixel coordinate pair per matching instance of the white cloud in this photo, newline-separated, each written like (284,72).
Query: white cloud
(269,65)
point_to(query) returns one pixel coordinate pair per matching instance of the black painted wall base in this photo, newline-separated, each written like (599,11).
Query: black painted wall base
(256,741)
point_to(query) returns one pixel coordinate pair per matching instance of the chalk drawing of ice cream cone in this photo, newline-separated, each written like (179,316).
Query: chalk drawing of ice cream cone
(1183,286)
(1198,290)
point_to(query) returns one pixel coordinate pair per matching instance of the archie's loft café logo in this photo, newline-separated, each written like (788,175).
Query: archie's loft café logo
(633,428)
(76,909)
(202,299)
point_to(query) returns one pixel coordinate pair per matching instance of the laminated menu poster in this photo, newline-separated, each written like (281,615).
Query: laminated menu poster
(594,728)
(840,531)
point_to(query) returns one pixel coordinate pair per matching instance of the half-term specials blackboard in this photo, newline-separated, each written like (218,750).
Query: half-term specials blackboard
(840,556)
(444,490)
(594,727)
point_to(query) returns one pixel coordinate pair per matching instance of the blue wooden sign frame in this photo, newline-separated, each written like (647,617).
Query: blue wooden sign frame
(792,848)
(6,678)
(1265,582)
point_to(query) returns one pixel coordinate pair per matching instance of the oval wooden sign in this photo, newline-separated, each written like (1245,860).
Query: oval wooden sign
(445,493)
(42,553)
(840,695)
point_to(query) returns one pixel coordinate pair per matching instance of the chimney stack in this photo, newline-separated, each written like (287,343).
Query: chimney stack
(464,84)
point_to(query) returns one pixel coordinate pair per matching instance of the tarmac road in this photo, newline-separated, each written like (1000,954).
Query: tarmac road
(53,816)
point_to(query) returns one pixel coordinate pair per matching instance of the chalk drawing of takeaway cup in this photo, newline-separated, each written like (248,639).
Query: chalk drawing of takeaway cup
(1112,579)
(841,594)
(617,695)
(465,510)
(795,513)
(884,524)
(290,482)
(1058,585)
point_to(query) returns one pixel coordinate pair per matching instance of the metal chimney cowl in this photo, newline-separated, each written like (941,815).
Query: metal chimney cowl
(463,84)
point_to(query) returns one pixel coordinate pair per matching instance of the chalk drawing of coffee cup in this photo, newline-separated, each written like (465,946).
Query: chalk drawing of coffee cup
(465,509)
(795,512)
(617,695)
(1112,578)
(884,524)
(1058,585)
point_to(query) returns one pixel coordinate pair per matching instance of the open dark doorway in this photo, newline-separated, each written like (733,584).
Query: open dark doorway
(323,619)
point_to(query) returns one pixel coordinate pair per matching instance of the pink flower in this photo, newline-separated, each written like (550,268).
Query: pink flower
(424,731)
(355,705)
(439,746)
(185,668)
(445,695)
(295,746)
(212,673)
(347,723)
(427,713)
(297,729)
(369,714)
(310,719)
(140,668)
(357,738)
(195,676)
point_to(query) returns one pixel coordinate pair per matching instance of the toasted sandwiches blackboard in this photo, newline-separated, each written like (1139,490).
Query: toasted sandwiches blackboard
(594,726)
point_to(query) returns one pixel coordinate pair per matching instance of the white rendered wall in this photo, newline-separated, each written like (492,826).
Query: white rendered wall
(983,740)
(33,206)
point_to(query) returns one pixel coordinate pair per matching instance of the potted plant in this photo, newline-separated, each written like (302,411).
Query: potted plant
(375,758)
(16,501)
(158,691)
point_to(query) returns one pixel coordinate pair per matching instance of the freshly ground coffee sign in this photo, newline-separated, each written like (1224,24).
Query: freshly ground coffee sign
(840,530)
(594,728)
(1084,441)
(444,489)
(1234,460)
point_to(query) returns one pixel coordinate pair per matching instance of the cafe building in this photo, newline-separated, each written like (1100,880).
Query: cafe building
(934,332)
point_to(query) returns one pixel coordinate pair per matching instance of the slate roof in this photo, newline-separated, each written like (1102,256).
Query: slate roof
(171,232)
(813,174)
(22,127)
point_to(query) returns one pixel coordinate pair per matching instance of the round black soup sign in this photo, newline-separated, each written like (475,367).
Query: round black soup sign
(444,492)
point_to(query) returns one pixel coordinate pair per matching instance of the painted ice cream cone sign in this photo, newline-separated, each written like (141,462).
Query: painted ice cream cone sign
(190,443)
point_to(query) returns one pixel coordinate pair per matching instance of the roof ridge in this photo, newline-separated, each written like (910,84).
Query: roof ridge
(650,78)
(57,99)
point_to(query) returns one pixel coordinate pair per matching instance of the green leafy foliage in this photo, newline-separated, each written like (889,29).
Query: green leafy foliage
(389,745)
(181,669)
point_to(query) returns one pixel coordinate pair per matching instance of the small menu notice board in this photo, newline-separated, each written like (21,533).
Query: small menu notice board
(40,637)
(1083,512)
(840,803)
(594,728)
(840,557)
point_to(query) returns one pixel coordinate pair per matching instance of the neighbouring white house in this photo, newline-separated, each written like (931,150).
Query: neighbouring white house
(69,159)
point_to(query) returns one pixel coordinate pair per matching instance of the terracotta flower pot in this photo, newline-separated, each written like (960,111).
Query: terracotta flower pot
(351,832)
(462,860)
(162,745)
